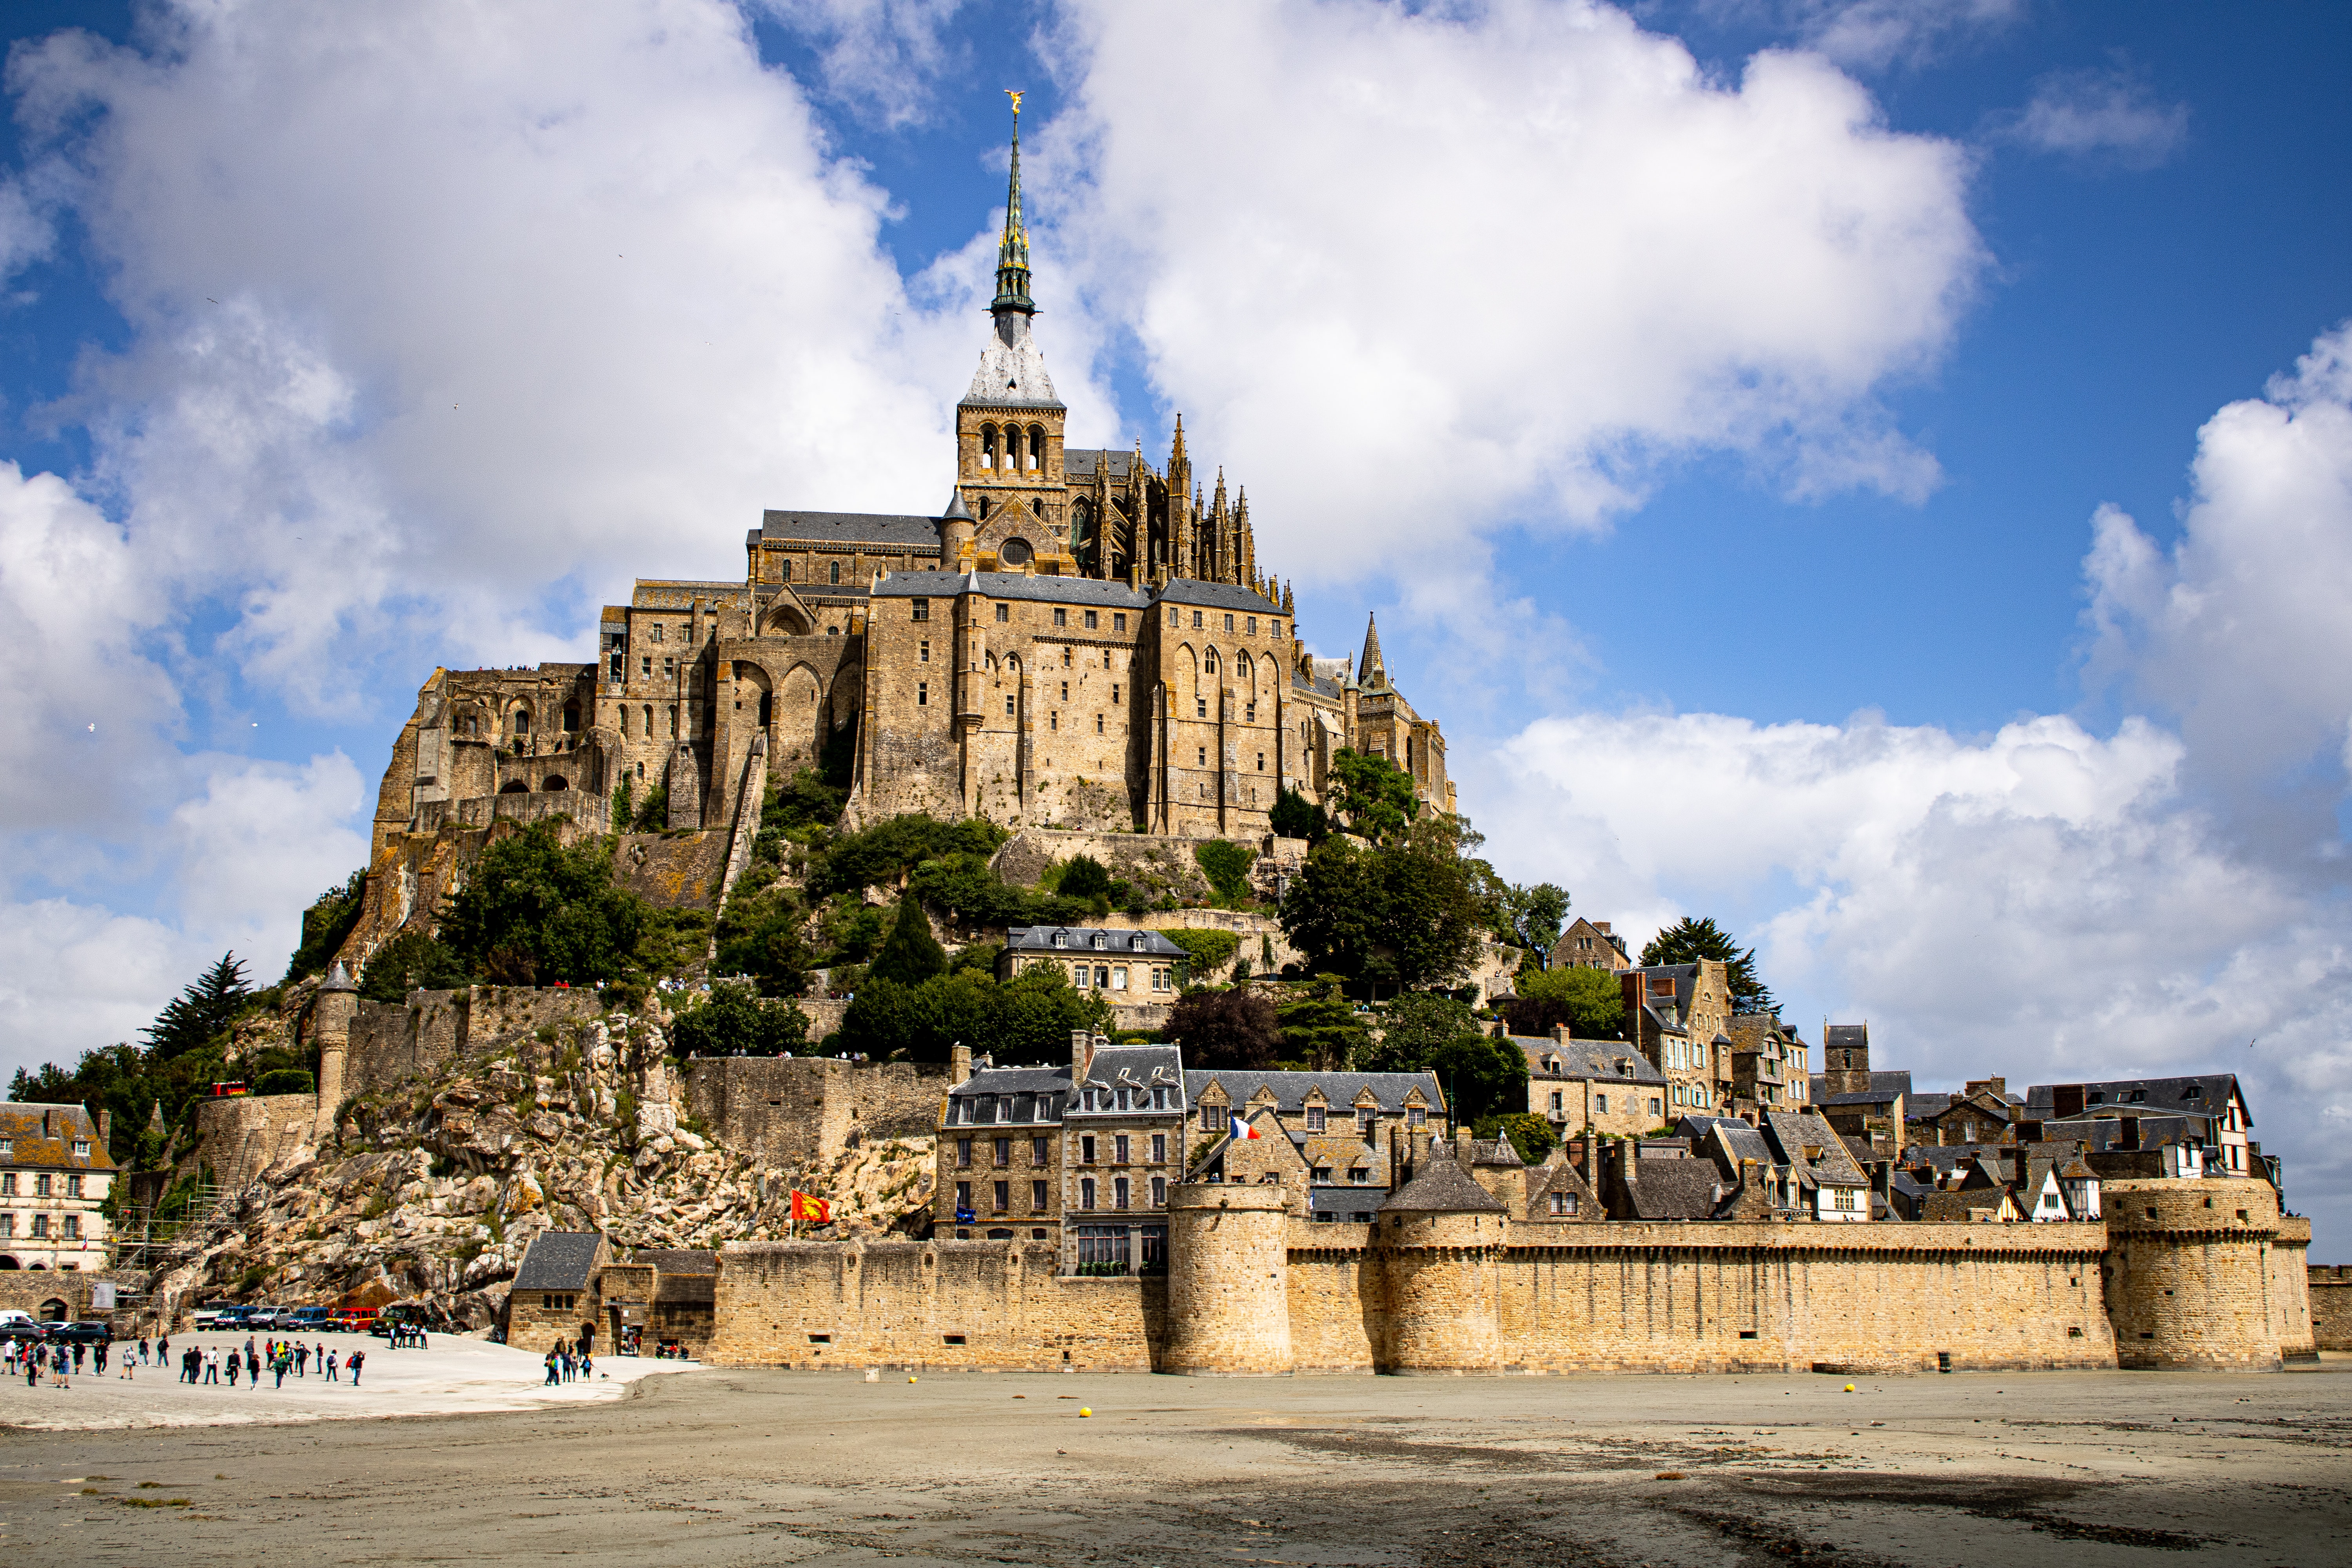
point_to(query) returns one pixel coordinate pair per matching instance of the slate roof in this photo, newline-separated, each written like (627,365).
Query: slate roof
(41,1136)
(1673,1189)
(1919,1107)
(1792,1133)
(1345,1202)
(1837,1036)
(1735,1139)
(918,533)
(678,1259)
(2159,1094)
(1339,1089)
(1586,1059)
(1083,591)
(974,1102)
(1084,460)
(1498,1153)
(1116,943)
(559,1260)
(1883,1088)
(1137,1067)
(2103,1133)
(1442,1186)
(1218,595)
(1342,1153)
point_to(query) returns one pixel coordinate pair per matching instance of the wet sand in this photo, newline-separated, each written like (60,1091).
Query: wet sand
(732,1467)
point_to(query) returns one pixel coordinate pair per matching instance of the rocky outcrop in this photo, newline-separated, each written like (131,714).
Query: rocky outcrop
(434,1187)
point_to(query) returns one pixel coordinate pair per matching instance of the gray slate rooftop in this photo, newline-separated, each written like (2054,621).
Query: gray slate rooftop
(559,1260)
(1441,1186)
(897,530)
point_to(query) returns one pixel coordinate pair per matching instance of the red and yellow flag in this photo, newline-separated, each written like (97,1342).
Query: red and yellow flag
(809,1208)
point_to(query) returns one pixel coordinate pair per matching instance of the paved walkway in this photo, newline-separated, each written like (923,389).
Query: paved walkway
(456,1375)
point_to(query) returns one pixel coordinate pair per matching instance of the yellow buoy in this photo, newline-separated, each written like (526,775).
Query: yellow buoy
(1084,1411)
(1849,1387)
(910,1380)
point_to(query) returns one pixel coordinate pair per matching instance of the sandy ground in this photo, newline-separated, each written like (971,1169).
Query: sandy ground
(453,1375)
(730,1467)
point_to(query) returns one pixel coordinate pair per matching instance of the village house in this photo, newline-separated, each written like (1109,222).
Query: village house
(1347,1139)
(1591,1086)
(1678,1015)
(55,1174)
(1589,944)
(2214,1098)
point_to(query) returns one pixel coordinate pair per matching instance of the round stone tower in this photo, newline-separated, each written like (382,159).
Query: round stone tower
(2190,1277)
(1439,1240)
(330,1026)
(1228,1291)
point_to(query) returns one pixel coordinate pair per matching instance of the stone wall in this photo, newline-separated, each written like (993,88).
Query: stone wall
(804,1109)
(975,1304)
(2330,1285)
(2191,1279)
(672,870)
(242,1135)
(392,1043)
(29,1291)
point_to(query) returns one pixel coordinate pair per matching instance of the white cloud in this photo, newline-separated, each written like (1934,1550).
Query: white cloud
(2043,903)
(80,976)
(260,843)
(437,308)
(1876,34)
(1415,275)
(2107,114)
(885,58)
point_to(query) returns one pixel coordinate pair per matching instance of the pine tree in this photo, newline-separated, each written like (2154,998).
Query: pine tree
(911,955)
(1688,941)
(200,1012)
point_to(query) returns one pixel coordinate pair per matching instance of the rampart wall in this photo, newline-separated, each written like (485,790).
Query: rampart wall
(803,1109)
(242,1135)
(2330,1285)
(977,1304)
(393,1042)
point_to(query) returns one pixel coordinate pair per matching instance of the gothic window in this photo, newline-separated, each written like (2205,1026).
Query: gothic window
(788,571)
(1212,663)
(833,573)
(648,731)
(988,446)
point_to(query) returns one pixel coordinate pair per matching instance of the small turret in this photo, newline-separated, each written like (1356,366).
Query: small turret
(330,1027)
(956,531)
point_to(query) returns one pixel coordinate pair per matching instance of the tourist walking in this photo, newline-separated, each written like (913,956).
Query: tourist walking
(550,1367)
(142,1350)
(162,1349)
(359,1360)
(234,1361)
(97,1359)
(79,1351)
(301,1359)
(212,1364)
(330,1365)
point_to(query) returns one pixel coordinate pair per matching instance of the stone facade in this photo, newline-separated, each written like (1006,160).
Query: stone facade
(1460,1287)
(802,1109)
(1080,640)
(2193,1280)
(2330,1289)
(1679,1017)
(55,1174)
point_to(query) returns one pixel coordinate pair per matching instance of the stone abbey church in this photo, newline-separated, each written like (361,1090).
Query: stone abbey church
(1079,640)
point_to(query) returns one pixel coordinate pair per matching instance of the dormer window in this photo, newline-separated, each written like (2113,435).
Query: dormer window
(1135,944)
(1097,941)
(1061,939)
(81,1148)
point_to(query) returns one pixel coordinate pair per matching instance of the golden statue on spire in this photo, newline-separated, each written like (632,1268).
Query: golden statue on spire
(1015,95)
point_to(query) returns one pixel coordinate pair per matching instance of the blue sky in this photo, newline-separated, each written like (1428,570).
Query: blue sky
(1738,512)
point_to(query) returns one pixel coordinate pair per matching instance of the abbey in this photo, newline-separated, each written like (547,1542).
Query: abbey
(1079,640)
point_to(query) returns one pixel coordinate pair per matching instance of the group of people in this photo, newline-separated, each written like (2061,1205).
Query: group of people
(201,1364)
(61,1362)
(567,1360)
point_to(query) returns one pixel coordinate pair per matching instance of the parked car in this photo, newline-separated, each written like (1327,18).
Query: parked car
(308,1321)
(89,1332)
(269,1318)
(23,1330)
(356,1320)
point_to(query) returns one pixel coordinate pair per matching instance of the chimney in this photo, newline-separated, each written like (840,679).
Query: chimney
(2130,1130)
(1590,1163)
(105,1126)
(1082,1056)
(958,1063)
(1559,1034)
(1461,1154)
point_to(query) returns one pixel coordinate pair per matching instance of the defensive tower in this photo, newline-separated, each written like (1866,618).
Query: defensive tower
(1228,1280)
(1439,1240)
(2190,1277)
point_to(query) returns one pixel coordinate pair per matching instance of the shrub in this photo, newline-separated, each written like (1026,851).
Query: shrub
(911,955)
(1226,1029)
(1084,877)
(1228,865)
(410,961)
(325,924)
(1531,1136)
(733,1022)
(1587,1000)
(286,1081)
(1209,951)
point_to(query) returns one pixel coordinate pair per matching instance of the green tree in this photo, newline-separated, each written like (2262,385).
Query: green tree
(325,924)
(1531,1136)
(1028,1018)
(1587,1000)
(535,912)
(1321,1029)
(1409,914)
(653,814)
(1415,1026)
(1206,953)
(1227,867)
(1226,1029)
(202,1010)
(1689,941)
(1532,918)
(761,933)
(731,1022)
(1085,878)
(1482,1076)
(1373,794)
(911,955)
(1296,816)
(410,961)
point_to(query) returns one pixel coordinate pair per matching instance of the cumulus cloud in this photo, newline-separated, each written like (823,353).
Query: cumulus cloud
(2103,114)
(2045,902)
(436,309)
(1876,34)
(1413,275)
(884,58)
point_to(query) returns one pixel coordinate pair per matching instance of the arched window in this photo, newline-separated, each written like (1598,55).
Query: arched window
(514,786)
(833,574)
(521,722)
(555,781)
(1210,666)
(648,731)
(988,446)
(1037,460)
(788,570)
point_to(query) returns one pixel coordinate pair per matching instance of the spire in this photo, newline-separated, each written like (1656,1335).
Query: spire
(1013,250)
(1287,607)
(1176,453)
(1371,669)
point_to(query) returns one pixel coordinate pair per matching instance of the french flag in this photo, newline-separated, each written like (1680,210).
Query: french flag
(1243,1129)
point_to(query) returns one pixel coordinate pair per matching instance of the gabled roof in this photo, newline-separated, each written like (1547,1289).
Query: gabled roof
(559,1260)
(1794,1132)
(1586,1059)
(2213,1091)
(1498,1153)
(1290,1089)
(42,1135)
(1441,1186)
(895,529)
(1675,1189)
(1108,940)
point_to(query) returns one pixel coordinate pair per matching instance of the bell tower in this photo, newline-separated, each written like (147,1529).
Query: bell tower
(1009,425)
